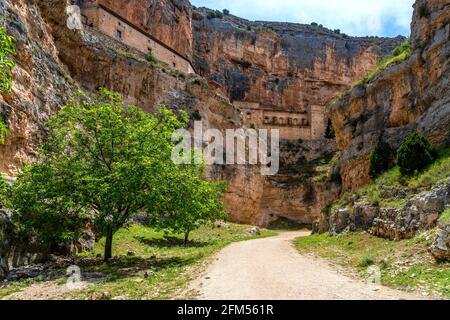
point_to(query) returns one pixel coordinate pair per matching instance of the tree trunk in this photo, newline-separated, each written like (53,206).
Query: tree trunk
(108,245)
(186,237)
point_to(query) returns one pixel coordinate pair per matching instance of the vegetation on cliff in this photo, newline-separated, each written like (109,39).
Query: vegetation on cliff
(399,54)
(380,158)
(392,188)
(415,153)
(7,63)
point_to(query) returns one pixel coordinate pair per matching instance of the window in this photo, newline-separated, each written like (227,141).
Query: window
(118,34)
(266,120)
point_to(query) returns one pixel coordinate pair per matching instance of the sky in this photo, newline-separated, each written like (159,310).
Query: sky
(388,18)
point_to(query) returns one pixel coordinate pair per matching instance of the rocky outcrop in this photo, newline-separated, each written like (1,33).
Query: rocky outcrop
(16,249)
(41,84)
(440,249)
(421,212)
(412,95)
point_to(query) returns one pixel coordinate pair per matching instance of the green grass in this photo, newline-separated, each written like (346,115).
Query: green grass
(399,54)
(140,249)
(445,217)
(394,180)
(405,265)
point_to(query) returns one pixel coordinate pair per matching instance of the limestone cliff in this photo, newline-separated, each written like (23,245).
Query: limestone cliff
(281,65)
(414,94)
(54,61)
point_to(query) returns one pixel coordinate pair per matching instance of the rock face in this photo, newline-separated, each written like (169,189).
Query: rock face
(440,248)
(168,20)
(41,84)
(421,212)
(412,95)
(280,65)
(285,70)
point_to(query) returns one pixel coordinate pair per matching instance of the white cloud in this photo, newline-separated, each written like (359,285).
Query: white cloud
(355,17)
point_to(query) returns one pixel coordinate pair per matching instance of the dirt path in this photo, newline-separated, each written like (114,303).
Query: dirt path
(273,269)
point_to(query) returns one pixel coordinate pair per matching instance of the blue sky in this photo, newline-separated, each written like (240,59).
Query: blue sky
(353,17)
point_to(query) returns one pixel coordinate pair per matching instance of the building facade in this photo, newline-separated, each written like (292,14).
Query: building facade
(308,125)
(105,20)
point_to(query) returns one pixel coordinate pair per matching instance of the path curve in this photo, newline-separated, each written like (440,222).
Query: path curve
(272,269)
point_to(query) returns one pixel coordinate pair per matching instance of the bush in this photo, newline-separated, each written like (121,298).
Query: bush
(4,132)
(415,154)
(107,162)
(4,191)
(151,58)
(215,14)
(7,63)
(379,158)
(226,12)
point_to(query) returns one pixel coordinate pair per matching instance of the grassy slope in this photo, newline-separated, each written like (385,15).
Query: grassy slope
(140,249)
(404,264)
(411,185)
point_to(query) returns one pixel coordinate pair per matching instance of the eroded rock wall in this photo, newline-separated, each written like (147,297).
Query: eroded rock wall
(281,65)
(412,95)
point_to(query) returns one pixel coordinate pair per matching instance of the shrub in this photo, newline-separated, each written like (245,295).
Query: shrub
(4,191)
(414,154)
(7,50)
(108,162)
(379,158)
(215,14)
(366,261)
(151,58)
(4,132)
(226,12)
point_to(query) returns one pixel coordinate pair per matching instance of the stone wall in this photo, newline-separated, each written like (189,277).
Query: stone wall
(169,21)
(291,125)
(111,24)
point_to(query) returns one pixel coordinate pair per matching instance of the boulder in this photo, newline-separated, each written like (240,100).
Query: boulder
(254,231)
(430,204)
(339,221)
(440,248)
(363,216)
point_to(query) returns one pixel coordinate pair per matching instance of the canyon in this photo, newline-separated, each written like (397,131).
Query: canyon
(249,74)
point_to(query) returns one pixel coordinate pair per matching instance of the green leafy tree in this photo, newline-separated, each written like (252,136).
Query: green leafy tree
(189,202)
(415,153)
(7,50)
(104,161)
(380,158)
